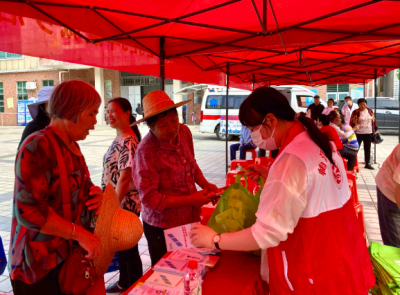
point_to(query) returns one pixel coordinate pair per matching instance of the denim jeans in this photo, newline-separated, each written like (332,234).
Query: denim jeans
(389,220)
(242,148)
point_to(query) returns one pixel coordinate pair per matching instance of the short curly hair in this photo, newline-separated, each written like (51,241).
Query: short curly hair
(69,99)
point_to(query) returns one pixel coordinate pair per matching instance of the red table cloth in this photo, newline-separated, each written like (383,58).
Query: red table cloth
(235,273)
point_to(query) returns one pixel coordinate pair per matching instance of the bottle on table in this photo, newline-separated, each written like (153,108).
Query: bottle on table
(192,282)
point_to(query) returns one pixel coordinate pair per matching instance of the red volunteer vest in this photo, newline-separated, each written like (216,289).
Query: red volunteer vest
(326,254)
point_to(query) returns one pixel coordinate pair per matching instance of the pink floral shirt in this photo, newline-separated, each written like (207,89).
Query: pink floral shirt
(161,169)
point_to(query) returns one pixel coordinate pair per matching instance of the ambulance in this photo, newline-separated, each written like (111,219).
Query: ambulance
(213,106)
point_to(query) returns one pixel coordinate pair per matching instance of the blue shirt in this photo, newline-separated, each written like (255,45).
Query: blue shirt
(184,109)
(245,136)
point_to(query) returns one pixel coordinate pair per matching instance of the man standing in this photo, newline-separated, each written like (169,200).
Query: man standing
(184,114)
(329,108)
(316,108)
(348,108)
(245,144)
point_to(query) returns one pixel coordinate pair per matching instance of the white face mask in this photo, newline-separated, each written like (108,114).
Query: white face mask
(266,144)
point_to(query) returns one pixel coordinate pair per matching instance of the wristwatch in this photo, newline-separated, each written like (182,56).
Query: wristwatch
(216,240)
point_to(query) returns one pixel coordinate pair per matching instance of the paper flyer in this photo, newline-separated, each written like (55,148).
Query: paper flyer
(165,279)
(148,289)
(189,254)
(178,237)
(176,267)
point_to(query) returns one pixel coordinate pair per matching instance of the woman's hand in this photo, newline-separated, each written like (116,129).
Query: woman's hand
(95,202)
(211,188)
(254,172)
(202,236)
(199,199)
(376,132)
(356,128)
(89,242)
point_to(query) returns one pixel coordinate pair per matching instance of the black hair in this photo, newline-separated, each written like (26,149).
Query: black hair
(151,122)
(348,97)
(324,119)
(331,99)
(316,96)
(361,100)
(126,106)
(265,100)
(334,114)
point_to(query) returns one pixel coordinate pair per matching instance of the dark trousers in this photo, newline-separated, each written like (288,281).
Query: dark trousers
(130,267)
(389,220)
(184,118)
(48,286)
(155,241)
(273,154)
(350,155)
(242,148)
(367,139)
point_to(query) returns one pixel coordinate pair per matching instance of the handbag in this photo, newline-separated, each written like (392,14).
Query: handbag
(77,274)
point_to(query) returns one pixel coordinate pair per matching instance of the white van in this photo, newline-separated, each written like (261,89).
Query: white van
(213,108)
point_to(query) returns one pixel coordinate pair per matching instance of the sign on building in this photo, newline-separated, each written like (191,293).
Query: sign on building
(23,115)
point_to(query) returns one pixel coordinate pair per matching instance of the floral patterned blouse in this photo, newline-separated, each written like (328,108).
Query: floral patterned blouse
(160,170)
(37,192)
(120,156)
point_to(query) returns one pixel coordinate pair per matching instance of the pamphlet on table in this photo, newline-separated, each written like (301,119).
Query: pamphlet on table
(176,267)
(148,289)
(165,279)
(190,254)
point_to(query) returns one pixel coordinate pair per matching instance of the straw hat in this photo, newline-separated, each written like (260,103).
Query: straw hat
(117,229)
(157,102)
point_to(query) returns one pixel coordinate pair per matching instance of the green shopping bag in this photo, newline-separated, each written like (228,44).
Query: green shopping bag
(236,210)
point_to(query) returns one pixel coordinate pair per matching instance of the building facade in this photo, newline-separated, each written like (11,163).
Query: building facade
(21,77)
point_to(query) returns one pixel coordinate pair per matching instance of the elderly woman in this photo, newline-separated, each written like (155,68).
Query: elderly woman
(40,233)
(165,172)
(364,124)
(117,170)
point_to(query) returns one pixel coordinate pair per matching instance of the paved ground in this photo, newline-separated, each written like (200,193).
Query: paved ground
(210,155)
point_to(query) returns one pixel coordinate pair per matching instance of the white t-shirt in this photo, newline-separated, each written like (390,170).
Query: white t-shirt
(389,175)
(118,157)
(328,110)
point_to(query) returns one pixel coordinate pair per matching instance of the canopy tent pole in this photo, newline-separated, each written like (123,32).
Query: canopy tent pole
(162,63)
(375,101)
(226,118)
(365,90)
(399,97)
(254,81)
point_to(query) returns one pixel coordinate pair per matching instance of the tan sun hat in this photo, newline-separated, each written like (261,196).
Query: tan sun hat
(117,229)
(156,102)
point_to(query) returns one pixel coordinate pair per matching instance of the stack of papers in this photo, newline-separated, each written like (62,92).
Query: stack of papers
(148,289)
(176,267)
(386,265)
(166,279)
(190,254)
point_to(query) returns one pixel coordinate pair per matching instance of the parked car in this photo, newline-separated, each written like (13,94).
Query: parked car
(387,111)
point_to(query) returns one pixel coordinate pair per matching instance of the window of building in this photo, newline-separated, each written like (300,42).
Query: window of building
(22,93)
(108,88)
(1,98)
(337,92)
(47,83)
(6,55)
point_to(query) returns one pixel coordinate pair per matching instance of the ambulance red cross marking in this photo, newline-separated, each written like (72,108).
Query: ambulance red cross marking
(322,169)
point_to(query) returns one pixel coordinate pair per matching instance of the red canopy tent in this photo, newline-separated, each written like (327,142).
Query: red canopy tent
(280,43)
(242,42)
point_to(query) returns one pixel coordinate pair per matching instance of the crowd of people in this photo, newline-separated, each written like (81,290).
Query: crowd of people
(157,177)
(353,125)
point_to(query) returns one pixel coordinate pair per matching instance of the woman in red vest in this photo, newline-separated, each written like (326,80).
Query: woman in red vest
(306,224)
